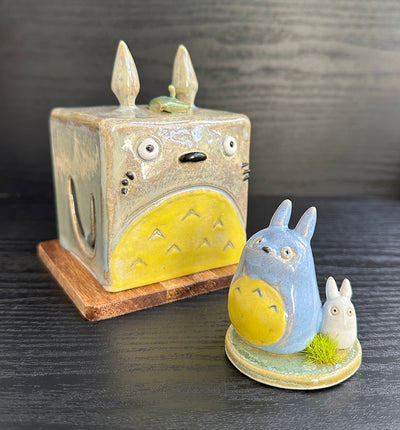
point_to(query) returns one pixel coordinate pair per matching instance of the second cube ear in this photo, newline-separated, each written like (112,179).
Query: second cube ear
(184,77)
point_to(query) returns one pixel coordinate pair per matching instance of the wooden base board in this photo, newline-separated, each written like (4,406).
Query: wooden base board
(95,303)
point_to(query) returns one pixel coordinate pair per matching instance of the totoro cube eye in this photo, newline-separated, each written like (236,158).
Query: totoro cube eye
(148,149)
(350,312)
(229,145)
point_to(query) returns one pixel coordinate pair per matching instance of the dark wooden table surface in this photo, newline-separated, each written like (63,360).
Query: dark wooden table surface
(166,367)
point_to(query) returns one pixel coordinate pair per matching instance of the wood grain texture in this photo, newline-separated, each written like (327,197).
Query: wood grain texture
(165,367)
(95,304)
(320,81)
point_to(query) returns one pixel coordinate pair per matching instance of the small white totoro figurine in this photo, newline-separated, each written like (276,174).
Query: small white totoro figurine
(339,317)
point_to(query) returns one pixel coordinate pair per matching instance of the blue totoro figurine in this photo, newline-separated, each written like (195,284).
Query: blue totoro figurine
(273,300)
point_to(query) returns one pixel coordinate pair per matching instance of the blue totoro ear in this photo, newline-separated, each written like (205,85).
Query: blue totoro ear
(282,214)
(306,225)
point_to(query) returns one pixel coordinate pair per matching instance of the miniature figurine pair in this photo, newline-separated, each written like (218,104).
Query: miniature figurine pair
(274,307)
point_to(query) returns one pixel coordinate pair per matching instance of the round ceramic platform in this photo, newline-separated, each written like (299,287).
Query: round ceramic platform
(288,370)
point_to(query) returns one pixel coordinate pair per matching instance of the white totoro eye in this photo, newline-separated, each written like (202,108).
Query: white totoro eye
(148,149)
(229,145)
(258,241)
(287,252)
(334,310)
(350,312)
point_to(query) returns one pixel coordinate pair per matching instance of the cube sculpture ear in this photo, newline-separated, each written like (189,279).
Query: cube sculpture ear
(184,77)
(125,80)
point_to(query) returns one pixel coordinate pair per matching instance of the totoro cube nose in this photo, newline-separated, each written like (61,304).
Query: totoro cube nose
(192,157)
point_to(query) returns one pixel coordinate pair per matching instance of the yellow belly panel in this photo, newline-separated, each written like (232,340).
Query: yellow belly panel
(256,311)
(189,232)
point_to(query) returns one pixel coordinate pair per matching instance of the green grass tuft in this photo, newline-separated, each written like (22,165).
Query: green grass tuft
(322,350)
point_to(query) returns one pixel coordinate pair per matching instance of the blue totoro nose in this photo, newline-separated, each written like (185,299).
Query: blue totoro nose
(192,157)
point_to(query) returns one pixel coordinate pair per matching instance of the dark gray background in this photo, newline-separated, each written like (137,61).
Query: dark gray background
(320,81)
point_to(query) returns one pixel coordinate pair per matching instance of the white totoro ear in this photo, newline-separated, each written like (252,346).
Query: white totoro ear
(345,289)
(184,77)
(125,80)
(282,214)
(331,289)
(306,225)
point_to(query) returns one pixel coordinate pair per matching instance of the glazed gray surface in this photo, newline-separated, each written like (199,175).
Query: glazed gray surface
(166,367)
(319,80)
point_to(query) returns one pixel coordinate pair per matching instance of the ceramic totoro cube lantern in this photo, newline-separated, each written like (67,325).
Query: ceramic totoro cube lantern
(150,193)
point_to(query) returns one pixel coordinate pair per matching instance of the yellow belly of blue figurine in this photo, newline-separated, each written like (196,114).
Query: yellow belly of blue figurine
(256,311)
(186,233)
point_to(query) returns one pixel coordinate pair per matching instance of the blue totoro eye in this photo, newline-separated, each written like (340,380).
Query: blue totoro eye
(258,241)
(287,252)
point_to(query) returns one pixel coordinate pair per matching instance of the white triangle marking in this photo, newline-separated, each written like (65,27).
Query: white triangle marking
(138,261)
(156,233)
(190,212)
(229,244)
(205,243)
(218,223)
(173,247)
